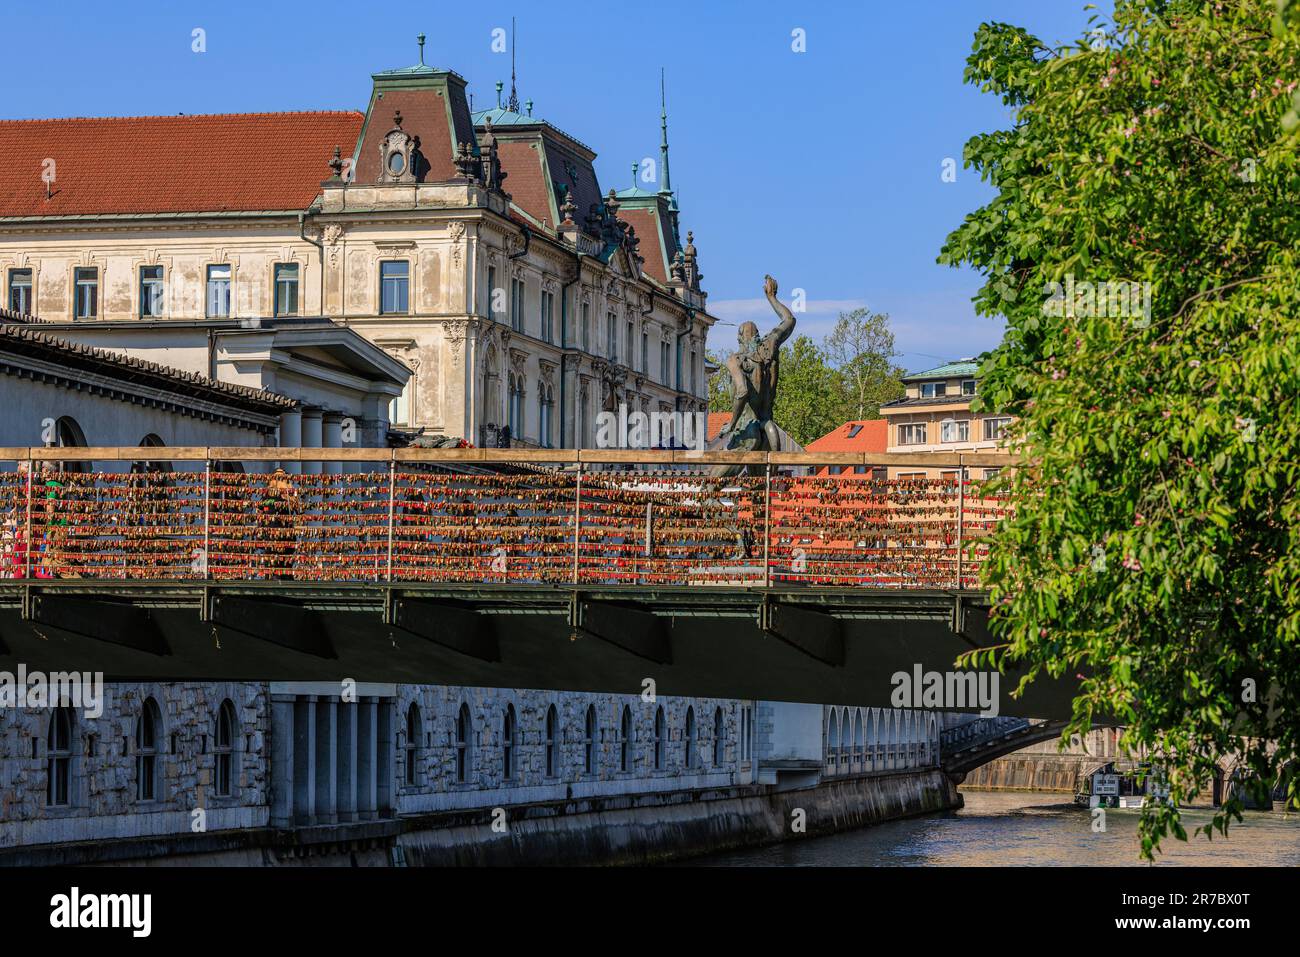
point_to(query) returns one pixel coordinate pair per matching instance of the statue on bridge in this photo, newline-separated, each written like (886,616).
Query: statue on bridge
(755,368)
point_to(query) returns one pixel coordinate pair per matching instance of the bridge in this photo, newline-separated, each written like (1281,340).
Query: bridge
(809,577)
(967,746)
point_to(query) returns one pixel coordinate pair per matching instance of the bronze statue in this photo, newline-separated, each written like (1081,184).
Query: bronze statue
(755,368)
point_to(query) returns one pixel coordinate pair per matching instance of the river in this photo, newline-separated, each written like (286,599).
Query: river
(1028,828)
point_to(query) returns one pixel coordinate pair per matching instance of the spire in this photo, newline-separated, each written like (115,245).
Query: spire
(420,40)
(513,104)
(667,181)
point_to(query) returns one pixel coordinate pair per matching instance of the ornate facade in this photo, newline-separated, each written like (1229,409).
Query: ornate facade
(478,249)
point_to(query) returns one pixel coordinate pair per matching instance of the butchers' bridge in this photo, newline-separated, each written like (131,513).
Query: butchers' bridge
(809,577)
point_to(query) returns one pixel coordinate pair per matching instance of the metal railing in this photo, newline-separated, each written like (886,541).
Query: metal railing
(480,516)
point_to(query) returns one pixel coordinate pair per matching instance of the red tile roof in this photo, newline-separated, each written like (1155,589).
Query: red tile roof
(171,164)
(716,421)
(873,436)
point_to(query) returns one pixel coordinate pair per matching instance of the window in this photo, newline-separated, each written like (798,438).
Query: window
(854,429)
(665,363)
(412,743)
(224,749)
(552,746)
(625,741)
(394,286)
(747,733)
(954,431)
(58,759)
(995,429)
(991,473)
(661,734)
(548,316)
(932,390)
(492,291)
(286,289)
(967,386)
(688,740)
(399,409)
(611,337)
(645,352)
(20,291)
(86,281)
(508,744)
(148,730)
(589,741)
(719,738)
(515,412)
(546,411)
(462,744)
(694,391)
(517,298)
(586,327)
(911,434)
(153,293)
(218,292)
(627,343)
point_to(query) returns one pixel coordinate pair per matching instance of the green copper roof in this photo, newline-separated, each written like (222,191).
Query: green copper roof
(503,117)
(967,368)
(635,192)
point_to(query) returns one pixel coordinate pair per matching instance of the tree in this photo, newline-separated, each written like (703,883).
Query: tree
(806,395)
(720,397)
(1143,245)
(860,347)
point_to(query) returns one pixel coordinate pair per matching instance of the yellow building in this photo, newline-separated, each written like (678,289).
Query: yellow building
(935,416)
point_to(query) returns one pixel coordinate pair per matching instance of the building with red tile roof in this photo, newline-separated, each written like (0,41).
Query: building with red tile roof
(861,435)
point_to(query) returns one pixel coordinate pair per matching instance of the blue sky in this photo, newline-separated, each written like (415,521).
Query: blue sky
(821,167)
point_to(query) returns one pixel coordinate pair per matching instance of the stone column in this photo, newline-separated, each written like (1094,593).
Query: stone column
(312,437)
(367,770)
(282,753)
(291,436)
(304,759)
(326,751)
(332,434)
(346,800)
(384,763)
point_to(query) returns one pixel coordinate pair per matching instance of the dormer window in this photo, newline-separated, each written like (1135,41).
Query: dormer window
(396,154)
(932,390)
(967,386)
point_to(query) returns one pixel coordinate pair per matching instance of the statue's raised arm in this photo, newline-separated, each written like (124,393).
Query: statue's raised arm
(786,325)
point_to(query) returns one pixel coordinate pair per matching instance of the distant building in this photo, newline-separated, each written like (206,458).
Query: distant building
(857,436)
(935,416)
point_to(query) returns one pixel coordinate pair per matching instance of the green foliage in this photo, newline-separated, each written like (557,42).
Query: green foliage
(1155,545)
(860,348)
(805,394)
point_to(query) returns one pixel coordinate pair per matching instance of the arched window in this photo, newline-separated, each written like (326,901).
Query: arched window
(546,408)
(68,435)
(661,734)
(552,747)
(625,741)
(857,735)
(225,749)
(152,441)
(719,738)
(58,758)
(463,755)
(508,744)
(589,740)
(688,740)
(148,732)
(414,731)
(833,740)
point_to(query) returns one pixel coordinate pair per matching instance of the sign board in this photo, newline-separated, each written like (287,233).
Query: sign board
(1105,784)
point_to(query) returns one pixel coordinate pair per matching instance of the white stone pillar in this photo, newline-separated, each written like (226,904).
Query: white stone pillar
(291,437)
(346,724)
(312,437)
(367,769)
(282,751)
(304,759)
(326,751)
(332,438)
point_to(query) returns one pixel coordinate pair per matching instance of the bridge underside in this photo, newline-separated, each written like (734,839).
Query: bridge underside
(832,646)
